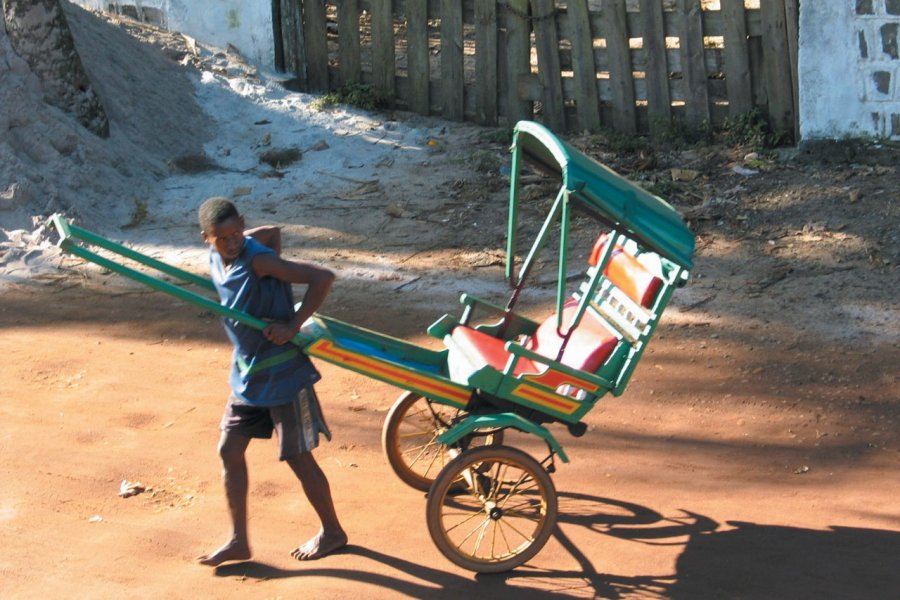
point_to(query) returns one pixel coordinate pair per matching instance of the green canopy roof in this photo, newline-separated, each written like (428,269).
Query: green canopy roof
(630,208)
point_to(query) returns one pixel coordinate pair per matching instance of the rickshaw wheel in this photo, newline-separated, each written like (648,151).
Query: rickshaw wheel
(409,439)
(503,516)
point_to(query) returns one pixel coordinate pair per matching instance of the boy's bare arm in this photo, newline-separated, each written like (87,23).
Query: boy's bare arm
(317,279)
(267,235)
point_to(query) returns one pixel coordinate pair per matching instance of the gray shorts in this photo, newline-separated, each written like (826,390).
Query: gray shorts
(298,423)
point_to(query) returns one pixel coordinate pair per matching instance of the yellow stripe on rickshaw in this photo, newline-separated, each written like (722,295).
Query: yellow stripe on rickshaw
(546,399)
(400,376)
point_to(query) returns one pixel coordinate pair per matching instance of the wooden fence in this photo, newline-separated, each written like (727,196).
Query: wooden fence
(575,65)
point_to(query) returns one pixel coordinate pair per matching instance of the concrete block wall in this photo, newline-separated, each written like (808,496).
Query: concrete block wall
(849,69)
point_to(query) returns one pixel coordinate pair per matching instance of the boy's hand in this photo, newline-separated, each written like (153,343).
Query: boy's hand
(280,332)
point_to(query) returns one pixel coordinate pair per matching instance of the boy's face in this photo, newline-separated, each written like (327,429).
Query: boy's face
(227,238)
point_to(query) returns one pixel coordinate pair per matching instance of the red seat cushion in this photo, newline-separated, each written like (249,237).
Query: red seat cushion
(627,273)
(589,345)
(490,350)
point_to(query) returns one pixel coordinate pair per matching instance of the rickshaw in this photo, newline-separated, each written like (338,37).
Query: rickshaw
(490,506)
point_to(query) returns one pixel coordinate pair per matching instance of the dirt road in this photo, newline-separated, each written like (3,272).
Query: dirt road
(743,461)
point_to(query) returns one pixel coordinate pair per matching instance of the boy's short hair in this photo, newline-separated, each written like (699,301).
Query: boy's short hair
(214,211)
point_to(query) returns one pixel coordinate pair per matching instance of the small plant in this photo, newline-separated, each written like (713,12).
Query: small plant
(278,158)
(485,161)
(138,214)
(752,129)
(500,135)
(621,143)
(678,134)
(353,94)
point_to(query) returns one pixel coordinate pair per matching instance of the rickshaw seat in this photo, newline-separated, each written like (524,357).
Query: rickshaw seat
(589,345)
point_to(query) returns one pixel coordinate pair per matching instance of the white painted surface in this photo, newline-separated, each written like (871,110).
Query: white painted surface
(245,25)
(838,97)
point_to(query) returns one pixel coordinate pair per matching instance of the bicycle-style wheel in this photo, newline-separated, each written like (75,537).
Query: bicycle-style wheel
(501,518)
(409,439)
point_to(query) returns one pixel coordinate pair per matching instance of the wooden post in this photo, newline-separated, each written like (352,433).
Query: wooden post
(586,97)
(737,58)
(615,30)
(549,72)
(486,61)
(348,40)
(277,36)
(383,46)
(452,68)
(316,45)
(777,66)
(418,67)
(659,100)
(693,65)
(518,59)
(292,40)
(792,25)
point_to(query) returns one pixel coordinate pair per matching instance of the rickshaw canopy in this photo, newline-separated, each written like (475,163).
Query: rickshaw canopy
(627,207)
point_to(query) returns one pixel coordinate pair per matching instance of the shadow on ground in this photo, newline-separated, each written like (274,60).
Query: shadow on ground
(730,560)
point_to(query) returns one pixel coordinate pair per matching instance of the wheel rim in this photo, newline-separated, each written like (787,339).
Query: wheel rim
(500,518)
(410,437)
(415,440)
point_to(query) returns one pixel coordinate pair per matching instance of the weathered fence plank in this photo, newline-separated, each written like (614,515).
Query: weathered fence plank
(518,60)
(737,59)
(549,73)
(693,65)
(452,74)
(486,61)
(278,36)
(659,103)
(316,43)
(383,52)
(587,102)
(292,40)
(792,23)
(777,66)
(621,80)
(417,64)
(348,41)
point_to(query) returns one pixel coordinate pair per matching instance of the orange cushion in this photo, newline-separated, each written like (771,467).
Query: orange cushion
(589,345)
(627,273)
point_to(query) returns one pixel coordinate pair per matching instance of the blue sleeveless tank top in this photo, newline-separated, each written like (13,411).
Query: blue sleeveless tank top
(262,373)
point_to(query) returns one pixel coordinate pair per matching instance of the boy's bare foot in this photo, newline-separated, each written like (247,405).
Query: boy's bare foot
(232,550)
(320,545)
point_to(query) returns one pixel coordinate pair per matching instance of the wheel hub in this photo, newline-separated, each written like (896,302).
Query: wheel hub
(493,511)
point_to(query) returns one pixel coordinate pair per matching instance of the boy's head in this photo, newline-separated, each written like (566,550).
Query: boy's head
(222,227)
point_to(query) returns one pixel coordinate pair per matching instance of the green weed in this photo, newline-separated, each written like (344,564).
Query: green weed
(353,94)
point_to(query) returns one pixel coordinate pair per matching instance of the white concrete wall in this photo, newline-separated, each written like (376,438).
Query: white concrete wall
(246,25)
(849,69)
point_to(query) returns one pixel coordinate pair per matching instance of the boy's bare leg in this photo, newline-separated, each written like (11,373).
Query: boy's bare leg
(234,475)
(332,536)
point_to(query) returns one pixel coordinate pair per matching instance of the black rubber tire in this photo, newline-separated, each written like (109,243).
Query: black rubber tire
(509,503)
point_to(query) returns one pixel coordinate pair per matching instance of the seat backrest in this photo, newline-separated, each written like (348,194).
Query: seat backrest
(589,344)
(626,273)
